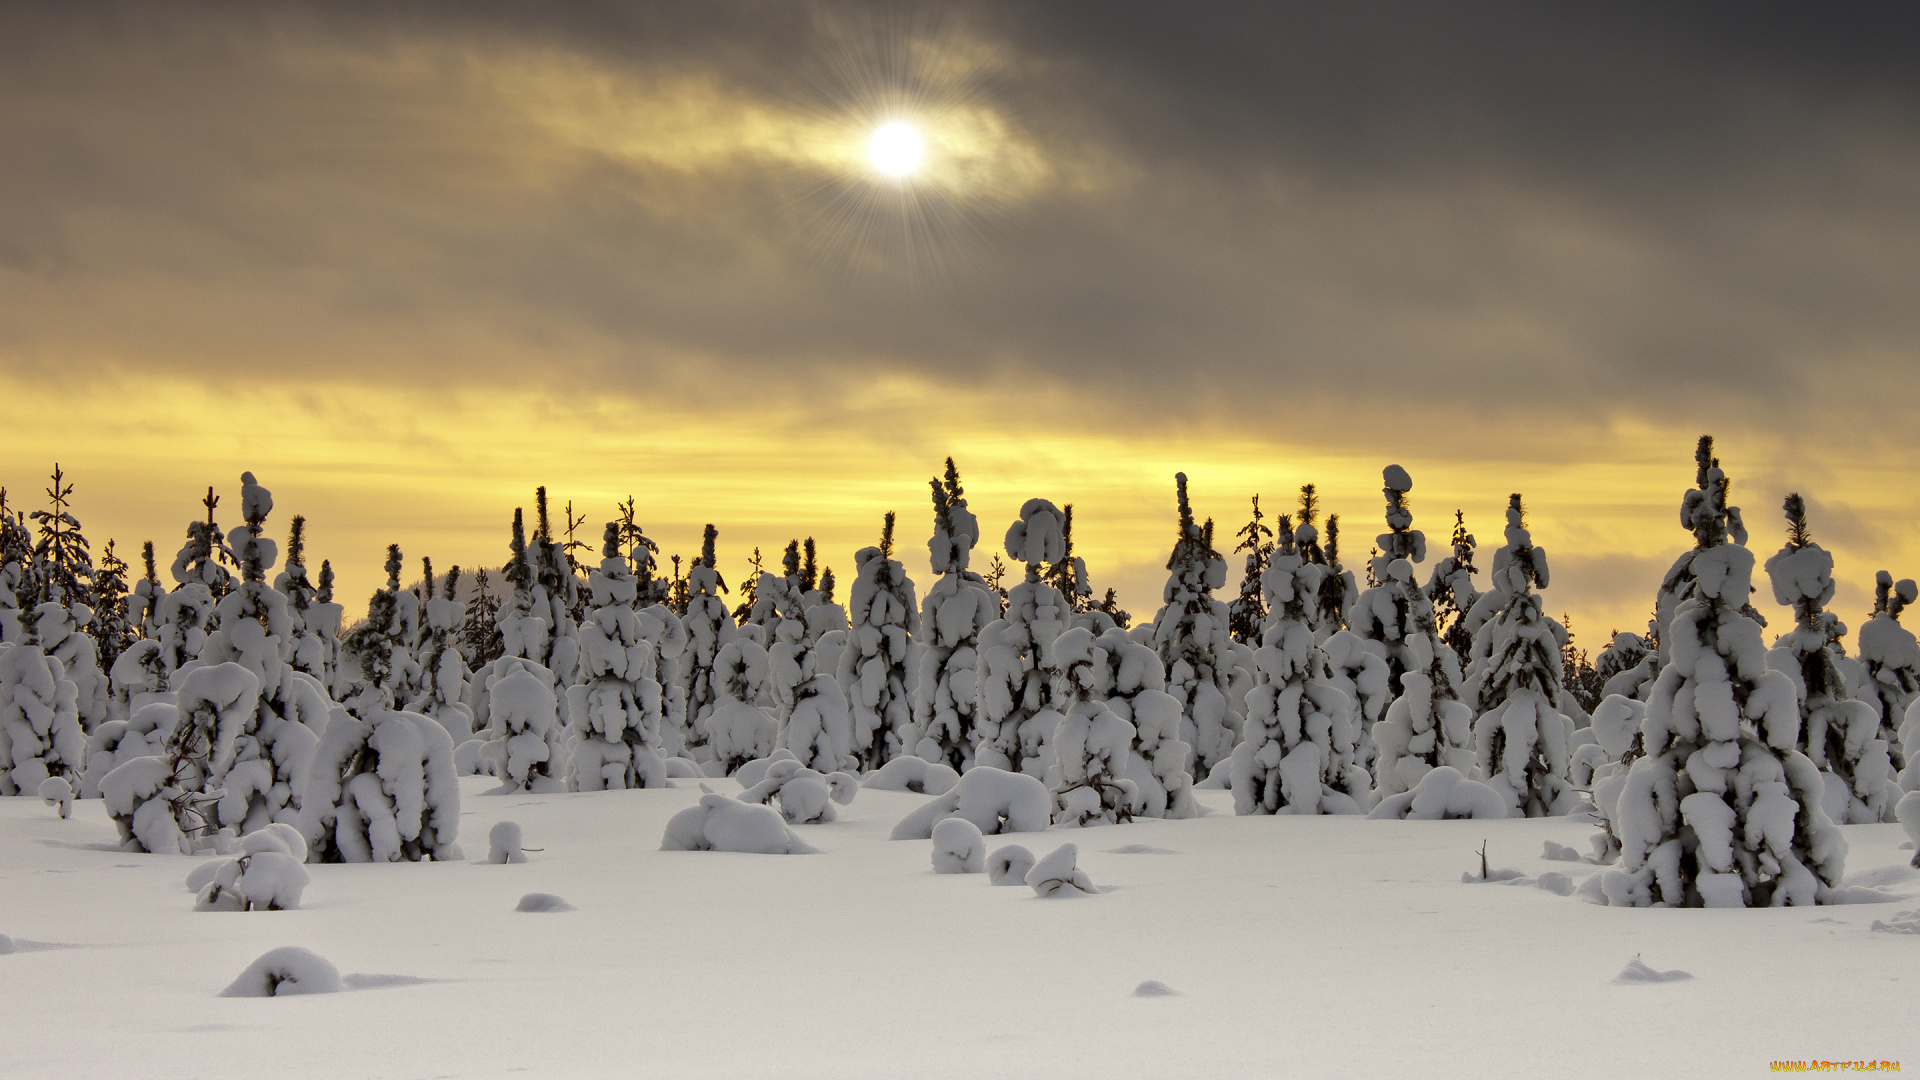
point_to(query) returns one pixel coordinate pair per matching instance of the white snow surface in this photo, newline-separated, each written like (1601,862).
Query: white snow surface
(649,968)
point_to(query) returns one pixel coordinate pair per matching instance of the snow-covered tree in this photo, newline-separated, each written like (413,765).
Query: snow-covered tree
(1678,584)
(614,706)
(63,597)
(875,671)
(708,630)
(480,631)
(171,803)
(1019,705)
(442,689)
(323,622)
(275,743)
(1427,725)
(1136,690)
(112,630)
(1247,615)
(1890,663)
(382,789)
(1092,745)
(40,733)
(1068,573)
(1523,736)
(1300,750)
(1451,590)
(1628,665)
(1722,811)
(958,607)
(187,614)
(378,652)
(16,555)
(1838,733)
(556,592)
(1190,634)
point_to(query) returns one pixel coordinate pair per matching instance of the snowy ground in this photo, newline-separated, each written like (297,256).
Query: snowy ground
(1298,947)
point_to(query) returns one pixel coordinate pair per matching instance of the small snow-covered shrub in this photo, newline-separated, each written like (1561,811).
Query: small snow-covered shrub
(1058,875)
(503,843)
(958,848)
(541,903)
(995,800)
(265,880)
(1443,793)
(116,742)
(913,774)
(286,971)
(722,824)
(1009,865)
(55,791)
(805,796)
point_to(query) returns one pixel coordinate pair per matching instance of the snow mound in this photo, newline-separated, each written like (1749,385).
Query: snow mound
(1009,865)
(1501,875)
(1637,971)
(804,796)
(284,971)
(1557,884)
(1441,794)
(365,981)
(1560,853)
(1860,894)
(1900,922)
(722,824)
(1057,875)
(503,843)
(542,902)
(1154,988)
(755,771)
(995,800)
(1141,849)
(680,768)
(1883,876)
(199,876)
(55,791)
(269,879)
(6,945)
(912,774)
(958,847)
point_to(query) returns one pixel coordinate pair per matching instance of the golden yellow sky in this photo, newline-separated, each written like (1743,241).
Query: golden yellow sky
(406,269)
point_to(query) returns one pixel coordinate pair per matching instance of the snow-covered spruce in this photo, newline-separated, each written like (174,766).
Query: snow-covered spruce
(1601,766)
(443,670)
(1838,733)
(1135,690)
(40,733)
(186,615)
(175,802)
(1427,725)
(1708,530)
(995,800)
(526,744)
(308,649)
(1247,614)
(275,743)
(1451,591)
(957,610)
(719,823)
(958,847)
(377,655)
(1299,750)
(1019,705)
(709,628)
(1628,665)
(1190,633)
(811,715)
(1523,734)
(804,796)
(1092,745)
(739,729)
(144,734)
(876,672)
(382,789)
(62,581)
(614,706)
(1890,664)
(1722,811)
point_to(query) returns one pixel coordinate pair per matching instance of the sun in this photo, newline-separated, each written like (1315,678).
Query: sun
(896,149)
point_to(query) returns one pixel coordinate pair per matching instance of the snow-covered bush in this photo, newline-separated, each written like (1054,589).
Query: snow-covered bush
(875,671)
(1523,735)
(178,800)
(918,775)
(503,843)
(805,797)
(144,734)
(1009,865)
(1299,753)
(382,789)
(1190,633)
(40,733)
(1092,745)
(1837,733)
(614,705)
(56,792)
(958,847)
(958,608)
(1722,811)
(266,880)
(995,800)
(1059,875)
(1442,793)
(1427,725)
(722,824)
(1019,705)
(286,971)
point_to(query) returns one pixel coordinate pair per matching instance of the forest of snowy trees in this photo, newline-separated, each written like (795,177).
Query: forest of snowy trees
(227,693)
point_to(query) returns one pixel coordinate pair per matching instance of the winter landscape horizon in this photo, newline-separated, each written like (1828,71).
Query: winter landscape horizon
(866,539)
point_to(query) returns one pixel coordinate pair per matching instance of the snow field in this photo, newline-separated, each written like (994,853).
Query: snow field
(1301,946)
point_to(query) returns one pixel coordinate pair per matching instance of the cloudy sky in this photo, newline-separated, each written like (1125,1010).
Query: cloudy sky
(405,262)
